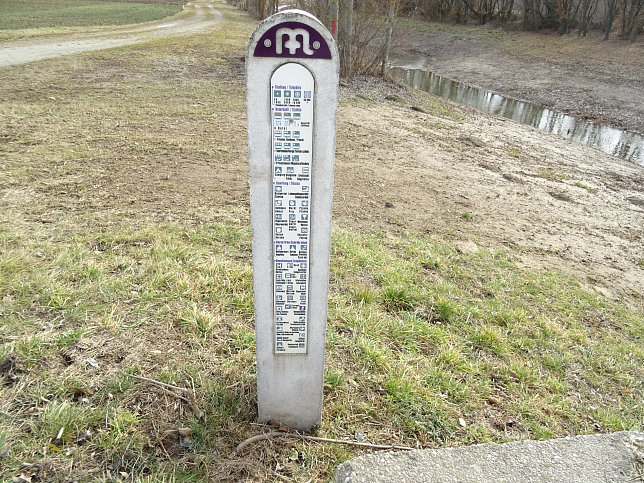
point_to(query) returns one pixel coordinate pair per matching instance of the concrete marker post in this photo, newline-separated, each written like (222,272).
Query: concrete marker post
(292,70)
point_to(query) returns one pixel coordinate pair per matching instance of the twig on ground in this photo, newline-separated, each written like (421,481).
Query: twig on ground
(107,412)
(178,396)
(276,434)
(281,477)
(191,394)
(159,383)
(164,451)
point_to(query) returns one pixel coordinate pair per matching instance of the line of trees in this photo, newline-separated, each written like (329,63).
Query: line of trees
(363,27)
(625,16)
(583,15)
(533,15)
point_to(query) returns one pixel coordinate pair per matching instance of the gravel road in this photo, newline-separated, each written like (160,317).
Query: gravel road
(196,19)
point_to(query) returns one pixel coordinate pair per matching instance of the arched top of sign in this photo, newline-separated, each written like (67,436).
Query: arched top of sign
(292,40)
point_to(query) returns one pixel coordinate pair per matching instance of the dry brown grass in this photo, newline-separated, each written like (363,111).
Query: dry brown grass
(125,243)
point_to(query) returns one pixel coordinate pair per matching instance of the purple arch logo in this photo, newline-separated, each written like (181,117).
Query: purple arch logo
(292,40)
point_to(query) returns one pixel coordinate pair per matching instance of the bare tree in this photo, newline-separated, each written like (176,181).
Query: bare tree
(610,12)
(632,16)
(505,10)
(260,9)
(587,10)
(483,10)
(390,28)
(566,13)
(346,64)
(369,35)
(333,13)
(531,17)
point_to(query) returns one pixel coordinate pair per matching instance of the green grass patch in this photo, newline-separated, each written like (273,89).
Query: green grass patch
(414,351)
(37,14)
(513,151)
(583,185)
(474,329)
(125,250)
(550,175)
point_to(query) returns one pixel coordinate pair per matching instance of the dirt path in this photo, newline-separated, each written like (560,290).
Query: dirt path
(198,17)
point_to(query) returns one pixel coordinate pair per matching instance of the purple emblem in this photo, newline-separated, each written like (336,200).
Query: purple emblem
(292,40)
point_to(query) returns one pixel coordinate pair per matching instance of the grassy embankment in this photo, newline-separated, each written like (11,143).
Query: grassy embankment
(125,249)
(543,45)
(29,18)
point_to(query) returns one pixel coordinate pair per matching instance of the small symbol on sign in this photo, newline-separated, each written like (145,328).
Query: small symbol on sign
(267,43)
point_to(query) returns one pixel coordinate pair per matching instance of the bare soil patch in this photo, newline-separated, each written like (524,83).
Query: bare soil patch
(490,183)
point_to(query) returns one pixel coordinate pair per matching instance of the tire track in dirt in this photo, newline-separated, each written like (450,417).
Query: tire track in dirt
(204,16)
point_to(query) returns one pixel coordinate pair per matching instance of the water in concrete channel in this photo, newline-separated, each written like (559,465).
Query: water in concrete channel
(414,71)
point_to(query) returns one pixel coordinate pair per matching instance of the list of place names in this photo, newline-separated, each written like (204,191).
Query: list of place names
(292,118)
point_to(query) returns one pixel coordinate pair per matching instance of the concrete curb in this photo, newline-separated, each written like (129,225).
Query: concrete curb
(597,458)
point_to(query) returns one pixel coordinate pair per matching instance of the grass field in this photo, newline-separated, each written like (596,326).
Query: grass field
(56,15)
(125,251)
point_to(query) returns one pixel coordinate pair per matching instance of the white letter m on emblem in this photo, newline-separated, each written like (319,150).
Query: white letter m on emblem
(292,44)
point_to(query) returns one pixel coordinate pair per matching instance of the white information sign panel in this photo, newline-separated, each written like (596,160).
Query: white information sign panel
(292,91)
